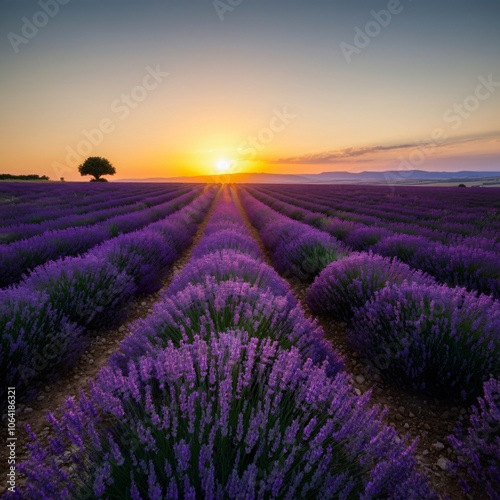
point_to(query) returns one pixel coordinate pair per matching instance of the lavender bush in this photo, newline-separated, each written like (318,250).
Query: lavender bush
(175,230)
(345,285)
(431,338)
(227,265)
(278,231)
(339,228)
(364,238)
(308,254)
(460,265)
(144,255)
(210,306)
(231,417)
(402,246)
(227,239)
(35,341)
(478,446)
(88,290)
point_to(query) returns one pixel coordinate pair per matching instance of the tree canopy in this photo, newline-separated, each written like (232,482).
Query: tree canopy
(97,166)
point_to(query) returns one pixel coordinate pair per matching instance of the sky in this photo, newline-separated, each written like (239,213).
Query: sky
(166,88)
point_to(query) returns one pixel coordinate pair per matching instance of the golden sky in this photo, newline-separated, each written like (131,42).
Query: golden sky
(165,89)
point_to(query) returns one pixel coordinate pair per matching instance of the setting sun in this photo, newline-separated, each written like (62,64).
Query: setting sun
(223,165)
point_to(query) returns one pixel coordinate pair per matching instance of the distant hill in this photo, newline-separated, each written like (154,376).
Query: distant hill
(409,177)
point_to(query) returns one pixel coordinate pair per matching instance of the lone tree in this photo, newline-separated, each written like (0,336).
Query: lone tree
(97,166)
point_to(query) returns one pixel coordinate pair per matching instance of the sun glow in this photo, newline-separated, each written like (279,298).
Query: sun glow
(223,166)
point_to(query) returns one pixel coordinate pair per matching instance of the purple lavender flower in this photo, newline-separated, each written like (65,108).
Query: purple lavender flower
(227,403)
(478,446)
(280,230)
(230,265)
(228,239)
(431,338)
(22,256)
(461,265)
(345,285)
(210,306)
(144,255)
(90,291)
(35,341)
(365,237)
(402,246)
(308,254)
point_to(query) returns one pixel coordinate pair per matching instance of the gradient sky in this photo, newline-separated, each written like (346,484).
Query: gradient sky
(264,86)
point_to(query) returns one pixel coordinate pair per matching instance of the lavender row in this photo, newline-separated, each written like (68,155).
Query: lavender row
(476,226)
(215,408)
(218,290)
(456,210)
(429,337)
(61,218)
(20,257)
(456,265)
(297,250)
(44,320)
(31,203)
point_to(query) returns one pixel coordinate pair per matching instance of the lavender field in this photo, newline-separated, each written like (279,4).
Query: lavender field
(251,341)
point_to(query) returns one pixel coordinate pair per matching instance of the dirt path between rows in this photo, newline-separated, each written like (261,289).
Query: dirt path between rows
(51,397)
(427,420)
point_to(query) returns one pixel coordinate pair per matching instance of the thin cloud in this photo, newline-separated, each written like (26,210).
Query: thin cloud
(343,155)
